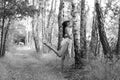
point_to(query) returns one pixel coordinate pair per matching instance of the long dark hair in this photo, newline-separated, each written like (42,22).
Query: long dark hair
(65,24)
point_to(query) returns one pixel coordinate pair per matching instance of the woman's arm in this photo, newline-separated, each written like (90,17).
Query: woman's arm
(61,51)
(52,48)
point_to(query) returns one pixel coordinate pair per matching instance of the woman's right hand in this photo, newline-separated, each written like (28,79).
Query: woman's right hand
(44,41)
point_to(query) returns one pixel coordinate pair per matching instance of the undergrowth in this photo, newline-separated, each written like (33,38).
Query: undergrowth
(98,69)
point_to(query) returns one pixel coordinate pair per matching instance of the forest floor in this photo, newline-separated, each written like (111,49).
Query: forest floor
(26,64)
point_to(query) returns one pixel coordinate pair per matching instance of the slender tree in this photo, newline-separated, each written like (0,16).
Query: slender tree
(50,13)
(94,37)
(82,31)
(35,29)
(102,34)
(60,24)
(49,19)
(5,37)
(76,34)
(53,19)
(118,41)
(2,33)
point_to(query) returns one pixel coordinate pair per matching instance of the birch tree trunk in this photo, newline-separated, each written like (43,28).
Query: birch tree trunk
(5,37)
(94,44)
(2,36)
(118,41)
(50,14)
(4,32)
(35,30)
(76,35)
(49,22)
(60,24)
(102,34)
(83,31)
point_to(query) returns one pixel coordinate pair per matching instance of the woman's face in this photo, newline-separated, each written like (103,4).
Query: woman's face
(69,24)
(69,30)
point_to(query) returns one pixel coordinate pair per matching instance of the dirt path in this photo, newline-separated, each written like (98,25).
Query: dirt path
(24,65)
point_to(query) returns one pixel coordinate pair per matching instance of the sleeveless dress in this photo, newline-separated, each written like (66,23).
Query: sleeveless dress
(70,43)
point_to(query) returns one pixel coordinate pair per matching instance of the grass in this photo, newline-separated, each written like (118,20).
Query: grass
(27,67)
(98,69)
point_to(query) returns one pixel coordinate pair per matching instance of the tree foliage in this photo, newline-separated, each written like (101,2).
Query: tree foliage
(16,9)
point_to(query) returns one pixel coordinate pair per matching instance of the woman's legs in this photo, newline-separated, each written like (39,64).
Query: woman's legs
(62,62)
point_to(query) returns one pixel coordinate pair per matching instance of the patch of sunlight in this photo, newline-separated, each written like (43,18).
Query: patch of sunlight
(24,48)
(49,56)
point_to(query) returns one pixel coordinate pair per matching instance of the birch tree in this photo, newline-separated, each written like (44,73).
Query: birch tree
(102,33)
(76,34)
(35,31)
(60,24)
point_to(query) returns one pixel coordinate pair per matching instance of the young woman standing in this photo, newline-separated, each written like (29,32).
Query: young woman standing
(66,44)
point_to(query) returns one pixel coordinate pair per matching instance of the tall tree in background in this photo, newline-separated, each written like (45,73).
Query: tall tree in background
(45,30)
(35,28)
(2,31)
(118,41)
(49,21)
(83,31)
(60,24)
(50,13)
(102,34)
(94,44)
(76,34)
(42,29)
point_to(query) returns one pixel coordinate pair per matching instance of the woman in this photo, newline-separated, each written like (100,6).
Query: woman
(66,44)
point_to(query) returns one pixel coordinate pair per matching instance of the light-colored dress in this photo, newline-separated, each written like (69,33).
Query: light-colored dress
(70,41)
(69,47)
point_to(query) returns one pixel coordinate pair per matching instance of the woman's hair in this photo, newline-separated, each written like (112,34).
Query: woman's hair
(65,24)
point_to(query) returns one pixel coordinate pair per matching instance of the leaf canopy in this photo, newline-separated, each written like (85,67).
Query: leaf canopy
(16,9)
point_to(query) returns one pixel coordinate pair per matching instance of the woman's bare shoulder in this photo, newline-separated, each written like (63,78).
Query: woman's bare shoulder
(64,41)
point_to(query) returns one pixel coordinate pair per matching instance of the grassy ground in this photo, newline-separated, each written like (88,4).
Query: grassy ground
(25,64)
(98,69)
